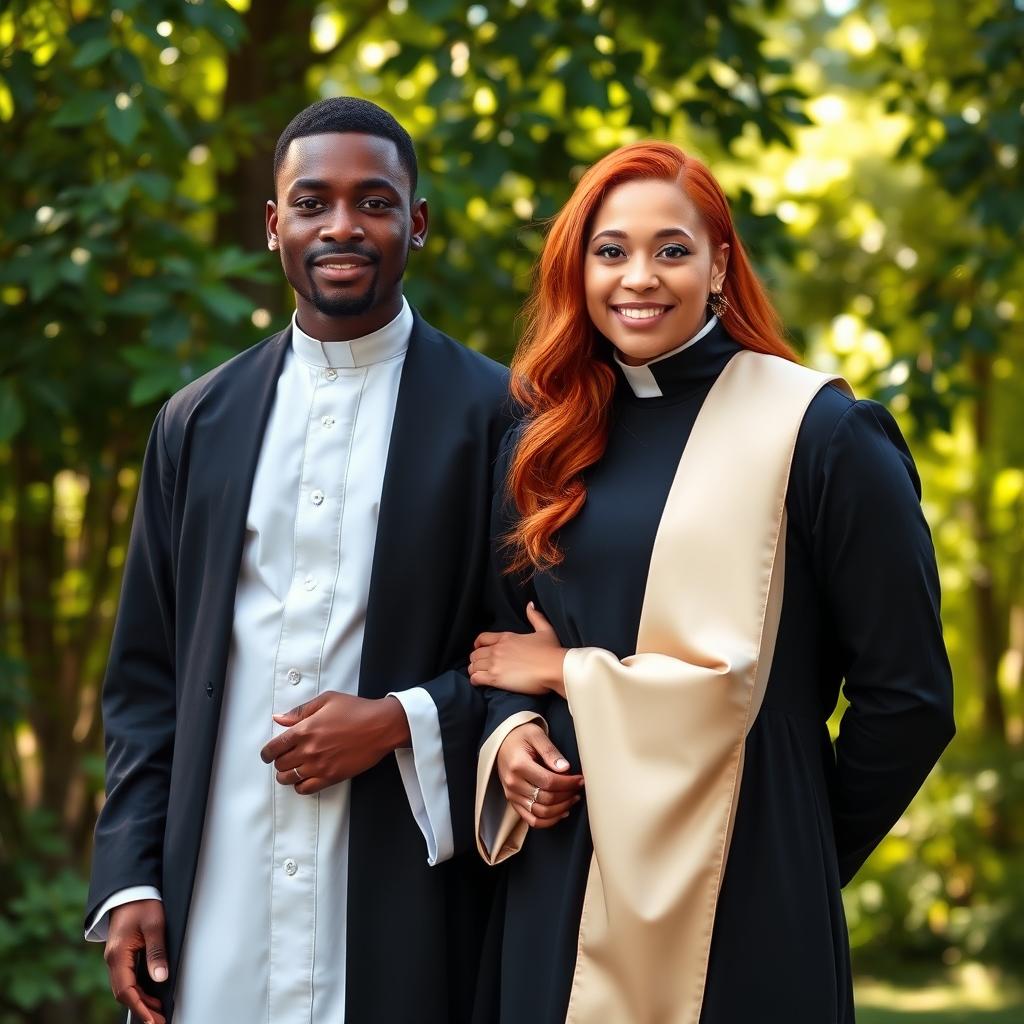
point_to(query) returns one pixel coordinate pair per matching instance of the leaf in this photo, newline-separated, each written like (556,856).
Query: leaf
(128,66)
(12,412)
(48,393)
(81,109)
(154,185)
(116,193)
(224,302)
(43,280)
(92,52)
(139,300)
(20,78)
(153,385)
(169,330)
(123,125)
(436,10)
(583,89)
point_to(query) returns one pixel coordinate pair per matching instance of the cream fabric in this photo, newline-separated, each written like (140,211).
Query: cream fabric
(500,832)
(661,733)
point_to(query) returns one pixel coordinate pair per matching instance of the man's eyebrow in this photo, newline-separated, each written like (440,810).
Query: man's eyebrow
(363,185)
(369,183)
(310,184)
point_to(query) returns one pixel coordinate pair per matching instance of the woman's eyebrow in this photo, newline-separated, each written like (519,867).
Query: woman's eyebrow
(663,233)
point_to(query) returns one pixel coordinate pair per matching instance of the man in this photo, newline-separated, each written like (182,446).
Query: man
(303,581)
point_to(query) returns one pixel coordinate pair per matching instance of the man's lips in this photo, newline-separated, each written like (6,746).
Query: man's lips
(342,269)
(640,315)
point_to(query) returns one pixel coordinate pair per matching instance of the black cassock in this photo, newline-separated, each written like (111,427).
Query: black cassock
(414,931)
(861,603)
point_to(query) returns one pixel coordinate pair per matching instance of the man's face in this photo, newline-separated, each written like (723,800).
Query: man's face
(344,224)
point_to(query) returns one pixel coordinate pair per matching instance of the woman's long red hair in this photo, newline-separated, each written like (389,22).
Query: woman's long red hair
(562,374)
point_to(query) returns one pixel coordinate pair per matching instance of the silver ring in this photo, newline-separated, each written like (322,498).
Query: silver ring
(300,777)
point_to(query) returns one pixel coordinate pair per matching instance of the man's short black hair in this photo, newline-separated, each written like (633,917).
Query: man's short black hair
(349,114)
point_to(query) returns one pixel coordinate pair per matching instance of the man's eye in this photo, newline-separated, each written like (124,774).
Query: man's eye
(308,204)
(376,204)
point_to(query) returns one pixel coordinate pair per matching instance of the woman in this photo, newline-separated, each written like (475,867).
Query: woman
(706,539)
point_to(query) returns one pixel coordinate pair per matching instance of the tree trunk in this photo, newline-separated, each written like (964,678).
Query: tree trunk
(266,87)
(991,619)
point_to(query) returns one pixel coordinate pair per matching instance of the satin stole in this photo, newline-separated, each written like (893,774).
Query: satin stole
(661,733)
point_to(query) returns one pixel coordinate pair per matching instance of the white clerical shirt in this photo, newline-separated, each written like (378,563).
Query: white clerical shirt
(266,934)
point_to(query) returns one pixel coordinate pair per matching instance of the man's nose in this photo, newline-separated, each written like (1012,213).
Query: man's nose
(343,224)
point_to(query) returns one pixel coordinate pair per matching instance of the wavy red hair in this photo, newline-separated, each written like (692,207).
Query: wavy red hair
(561,372)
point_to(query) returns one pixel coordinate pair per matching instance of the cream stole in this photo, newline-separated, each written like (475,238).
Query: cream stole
(661,734)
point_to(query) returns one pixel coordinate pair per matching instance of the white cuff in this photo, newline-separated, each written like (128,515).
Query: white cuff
(423,773)
(96,931)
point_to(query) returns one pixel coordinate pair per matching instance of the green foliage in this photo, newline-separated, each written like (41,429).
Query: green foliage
(43,961)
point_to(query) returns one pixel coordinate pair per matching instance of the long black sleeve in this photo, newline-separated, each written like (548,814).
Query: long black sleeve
(875,556)
(139,694)
(507,593)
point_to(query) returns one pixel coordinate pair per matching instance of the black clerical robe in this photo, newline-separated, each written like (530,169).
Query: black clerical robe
(414,931)
(860,603)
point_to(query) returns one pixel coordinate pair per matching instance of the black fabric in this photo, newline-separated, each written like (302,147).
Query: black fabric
(861,602)
(166,675)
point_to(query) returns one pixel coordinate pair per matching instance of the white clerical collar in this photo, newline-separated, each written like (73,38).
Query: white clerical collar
(642,380)
(389,341)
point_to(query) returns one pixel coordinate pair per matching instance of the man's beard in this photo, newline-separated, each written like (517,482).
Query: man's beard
(344,305)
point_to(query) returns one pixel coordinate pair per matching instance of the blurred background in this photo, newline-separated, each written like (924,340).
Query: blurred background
(872,154)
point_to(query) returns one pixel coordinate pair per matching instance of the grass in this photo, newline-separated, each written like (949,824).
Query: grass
(969,994)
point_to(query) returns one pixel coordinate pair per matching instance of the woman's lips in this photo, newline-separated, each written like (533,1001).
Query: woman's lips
(652,316)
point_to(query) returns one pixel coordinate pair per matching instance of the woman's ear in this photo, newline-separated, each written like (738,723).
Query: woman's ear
(718,266)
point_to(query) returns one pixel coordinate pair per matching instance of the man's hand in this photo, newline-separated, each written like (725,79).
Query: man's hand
(334,737)
(520,662)
(136,927)
(533,774)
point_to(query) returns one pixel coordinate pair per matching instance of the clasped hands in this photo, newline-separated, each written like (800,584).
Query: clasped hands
(333,737)
(533,773)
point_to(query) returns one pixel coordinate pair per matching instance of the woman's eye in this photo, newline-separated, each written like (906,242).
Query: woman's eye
(674,252)
(611,252)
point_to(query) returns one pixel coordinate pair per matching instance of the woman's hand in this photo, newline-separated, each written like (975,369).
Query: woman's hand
(520,662)
(534,776)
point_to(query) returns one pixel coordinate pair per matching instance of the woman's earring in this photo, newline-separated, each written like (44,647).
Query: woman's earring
(719,304)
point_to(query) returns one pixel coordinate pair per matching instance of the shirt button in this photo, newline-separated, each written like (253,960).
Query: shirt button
(328,421)
(331,374)
(317,497)
(290,867)
(309,583)
(294,676)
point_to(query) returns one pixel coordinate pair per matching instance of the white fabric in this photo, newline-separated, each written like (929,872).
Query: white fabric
(100,923)
(640,378)
(423,773)
(269,904)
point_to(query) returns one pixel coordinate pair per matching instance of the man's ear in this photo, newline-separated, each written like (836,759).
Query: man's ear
(420,222)
(272,243)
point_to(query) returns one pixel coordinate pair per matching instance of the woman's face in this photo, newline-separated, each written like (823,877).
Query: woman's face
(649,269)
